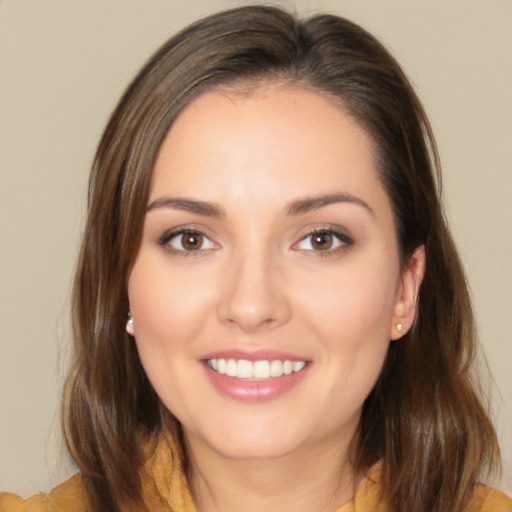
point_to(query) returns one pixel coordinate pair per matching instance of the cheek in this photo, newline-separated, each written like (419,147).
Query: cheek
(350,313)
(353,305)
(352,322)
(168,309)
(168,306)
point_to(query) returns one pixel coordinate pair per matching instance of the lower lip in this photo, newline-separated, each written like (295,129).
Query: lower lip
(254,390)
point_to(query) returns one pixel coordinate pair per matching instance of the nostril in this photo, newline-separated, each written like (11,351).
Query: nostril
(252,296)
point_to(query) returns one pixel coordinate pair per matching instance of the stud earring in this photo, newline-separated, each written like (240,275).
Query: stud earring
(399,327)
(129,323)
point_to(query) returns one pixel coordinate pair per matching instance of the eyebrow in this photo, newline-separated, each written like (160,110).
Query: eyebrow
(189,205)
(308,204)
(296,207)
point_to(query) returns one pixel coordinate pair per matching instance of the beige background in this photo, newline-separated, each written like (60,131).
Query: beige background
(63,65)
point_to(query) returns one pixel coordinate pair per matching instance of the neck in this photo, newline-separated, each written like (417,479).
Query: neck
(318,478)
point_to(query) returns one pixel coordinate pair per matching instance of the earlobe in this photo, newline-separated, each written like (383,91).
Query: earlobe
(406,301)
(129,324)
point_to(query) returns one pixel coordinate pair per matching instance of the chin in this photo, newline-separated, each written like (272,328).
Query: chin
(241,442)
(258,449)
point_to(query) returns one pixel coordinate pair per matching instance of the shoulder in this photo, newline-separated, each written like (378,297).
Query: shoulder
(487,499)
(369,496)
(63,498)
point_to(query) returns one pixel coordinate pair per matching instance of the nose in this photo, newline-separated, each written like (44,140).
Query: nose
(253,294)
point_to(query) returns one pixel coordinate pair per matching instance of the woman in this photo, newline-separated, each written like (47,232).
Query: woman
(269,312)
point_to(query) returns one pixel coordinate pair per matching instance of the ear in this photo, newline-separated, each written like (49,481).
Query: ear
(129,328)
(407,294)
(129,324)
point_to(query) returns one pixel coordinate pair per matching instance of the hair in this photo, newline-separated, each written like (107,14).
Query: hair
(424,418)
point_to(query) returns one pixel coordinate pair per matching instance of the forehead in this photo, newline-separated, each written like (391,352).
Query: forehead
(291,139)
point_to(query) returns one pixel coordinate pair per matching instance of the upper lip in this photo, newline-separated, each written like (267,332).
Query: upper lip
(256,355)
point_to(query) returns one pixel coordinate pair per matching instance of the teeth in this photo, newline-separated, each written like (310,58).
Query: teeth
(276,368)
(221,366)
(298,365)
(244,370)
(257,370)
(231,368)
(261,370)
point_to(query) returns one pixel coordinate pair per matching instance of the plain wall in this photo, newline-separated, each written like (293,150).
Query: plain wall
(63,65)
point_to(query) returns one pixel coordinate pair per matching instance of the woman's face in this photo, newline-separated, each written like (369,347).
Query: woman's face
(267,285)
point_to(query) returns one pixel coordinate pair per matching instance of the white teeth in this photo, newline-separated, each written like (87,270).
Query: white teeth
(261,370)
(257,370)
(231,368)
(298,365)
(221,365)
(276,368)
(244,369)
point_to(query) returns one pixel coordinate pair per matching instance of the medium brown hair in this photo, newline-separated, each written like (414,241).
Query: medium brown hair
(424,417)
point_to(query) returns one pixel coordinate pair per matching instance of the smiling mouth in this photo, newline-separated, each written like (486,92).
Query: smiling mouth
(255,370)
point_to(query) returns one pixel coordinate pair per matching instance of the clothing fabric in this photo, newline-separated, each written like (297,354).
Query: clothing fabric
(165,489)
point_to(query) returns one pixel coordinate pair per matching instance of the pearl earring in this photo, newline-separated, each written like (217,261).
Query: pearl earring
(399,327)
(129,323)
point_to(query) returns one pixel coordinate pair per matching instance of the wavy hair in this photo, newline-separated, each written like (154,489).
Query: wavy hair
(424,417)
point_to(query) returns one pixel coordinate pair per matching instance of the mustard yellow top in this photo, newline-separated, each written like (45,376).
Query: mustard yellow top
(165,488)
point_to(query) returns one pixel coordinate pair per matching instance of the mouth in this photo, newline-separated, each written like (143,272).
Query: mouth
(255,370)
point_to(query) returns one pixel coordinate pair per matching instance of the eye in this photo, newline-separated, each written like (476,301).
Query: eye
(323,240)
(187,240)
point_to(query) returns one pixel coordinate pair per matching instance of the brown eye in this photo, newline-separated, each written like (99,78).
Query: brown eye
(321,241)
(187,241)
(324,241)
(191,241)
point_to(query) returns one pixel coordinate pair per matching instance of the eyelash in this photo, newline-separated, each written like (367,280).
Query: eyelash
(168,237)
(342,240)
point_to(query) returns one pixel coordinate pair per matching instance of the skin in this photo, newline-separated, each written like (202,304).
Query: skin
(258,283)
